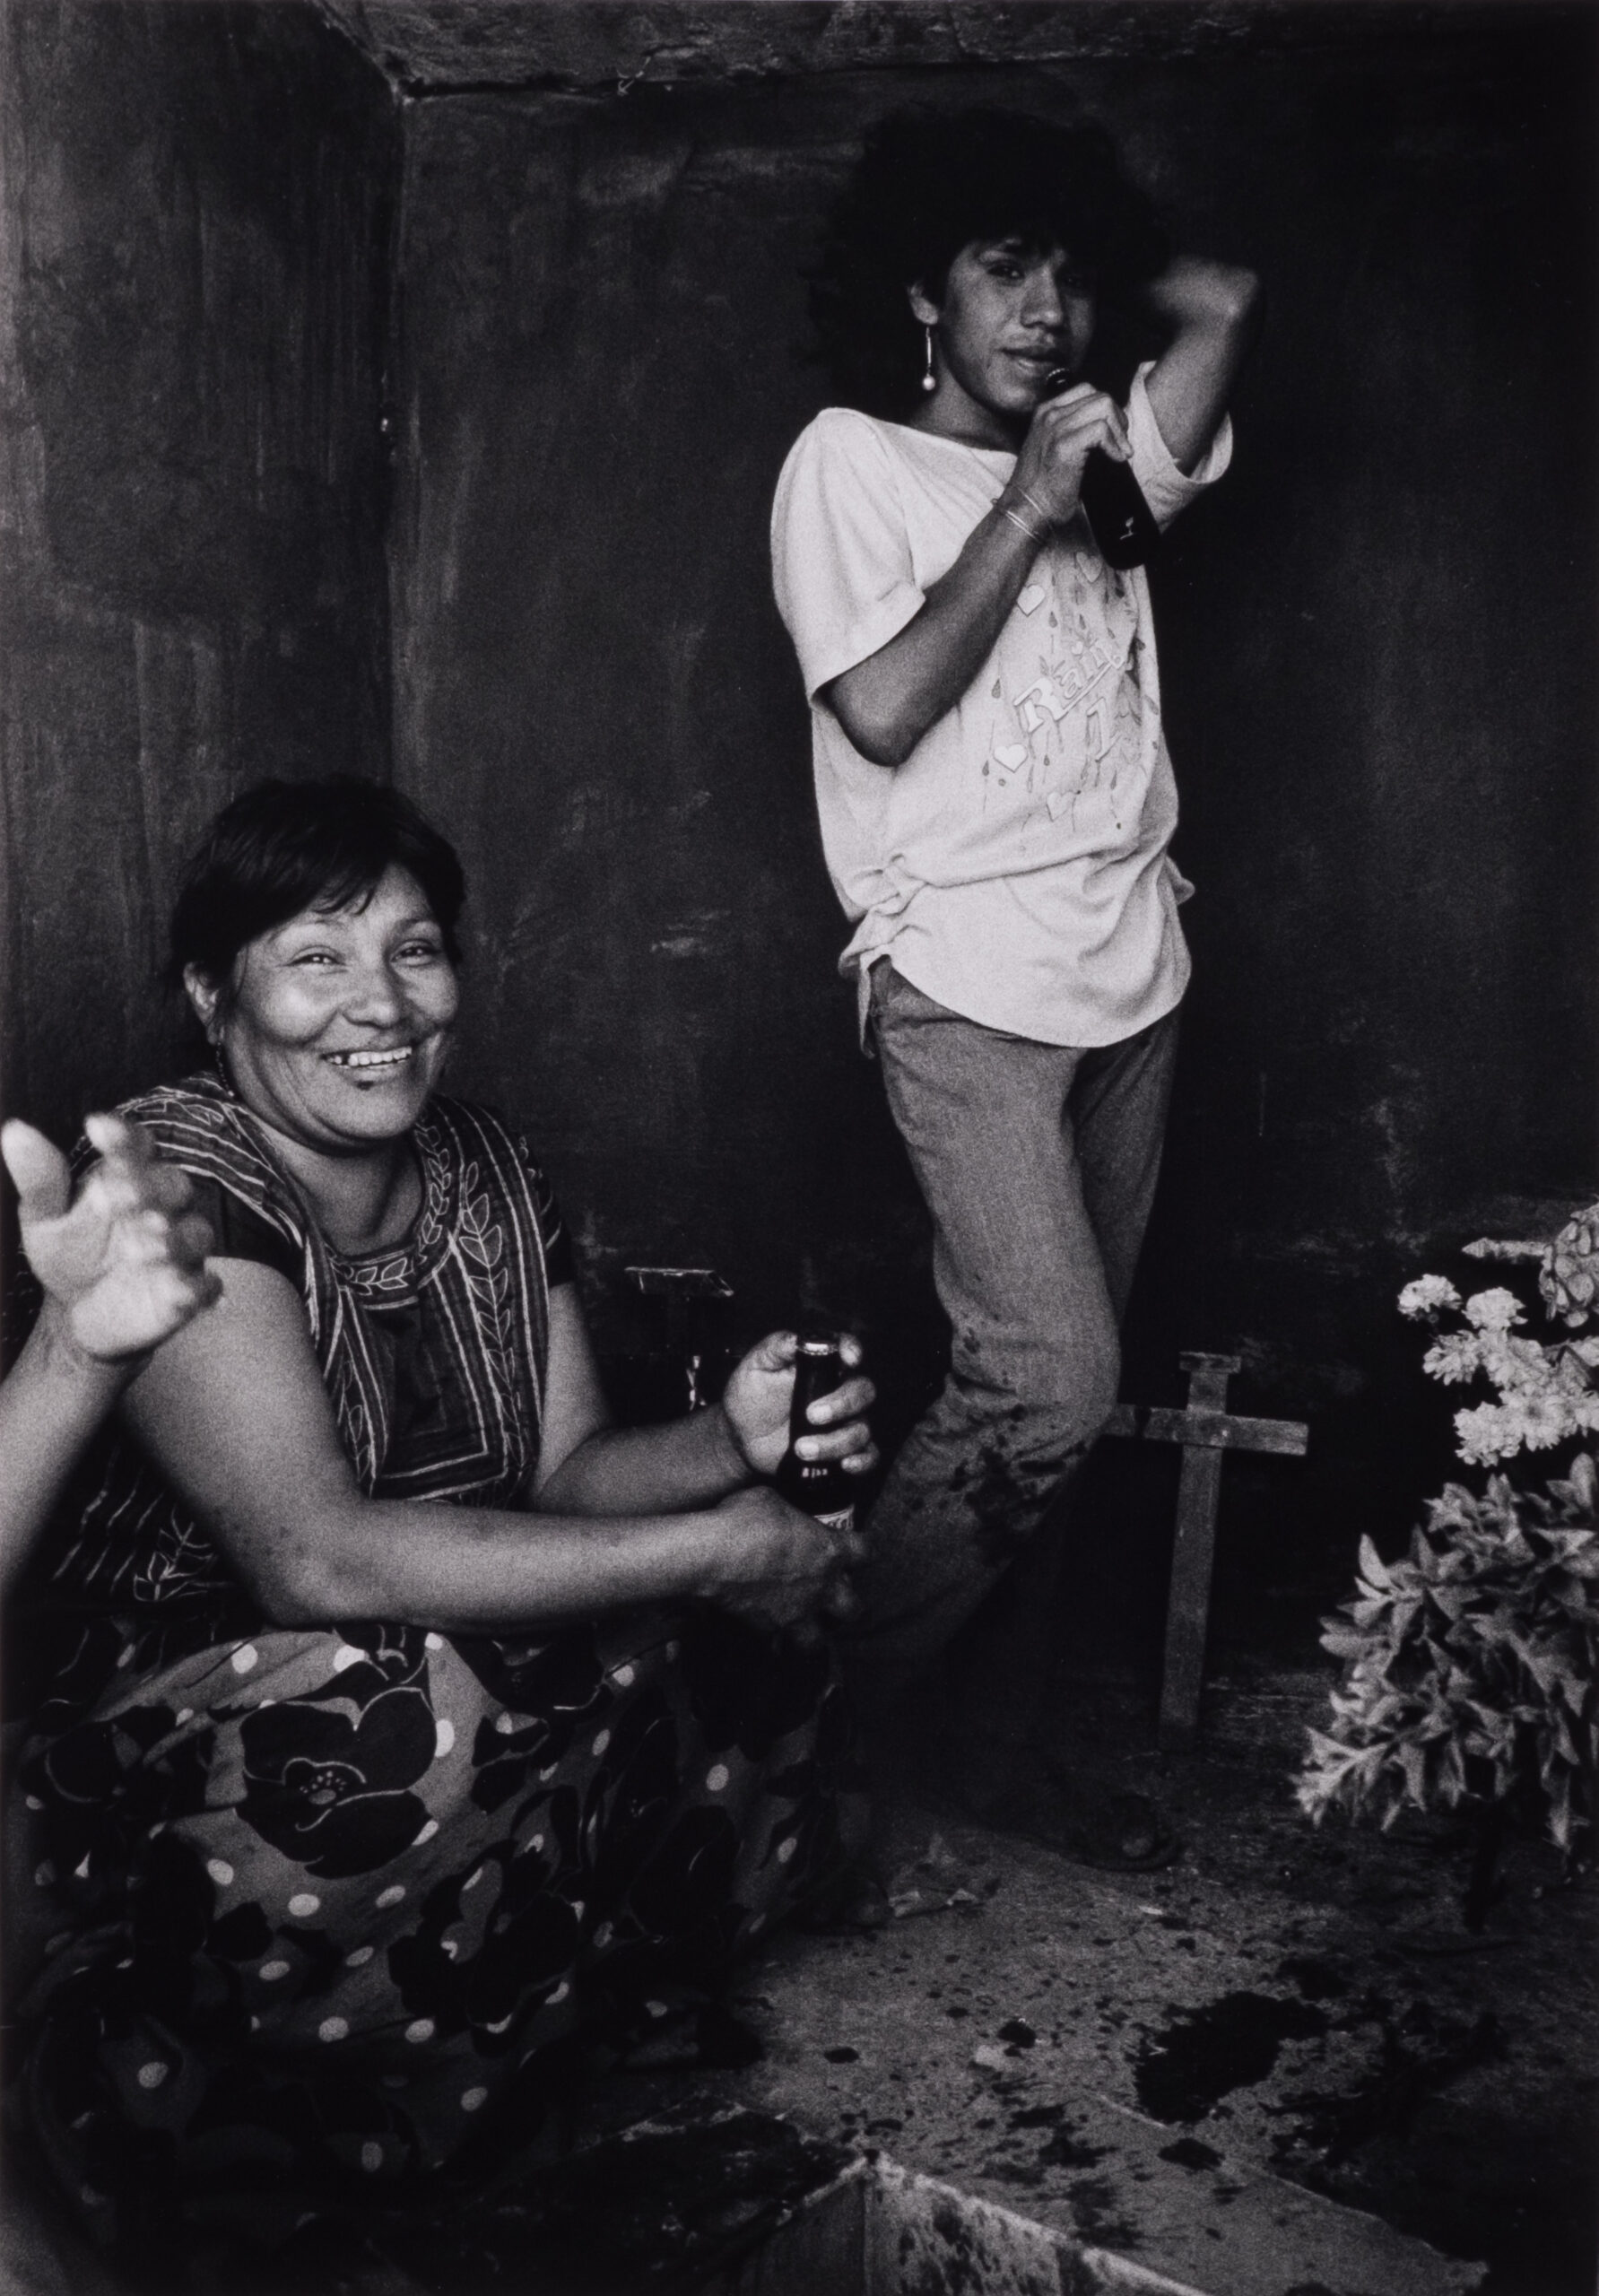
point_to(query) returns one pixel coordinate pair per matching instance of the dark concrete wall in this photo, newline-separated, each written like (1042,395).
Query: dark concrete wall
(1378,646)
(1377,637)
(195,246)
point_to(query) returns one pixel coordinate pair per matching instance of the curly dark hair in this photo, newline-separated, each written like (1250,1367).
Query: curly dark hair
(929,183)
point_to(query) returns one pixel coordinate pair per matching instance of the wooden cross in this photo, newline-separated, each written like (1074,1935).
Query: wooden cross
(1204,1430)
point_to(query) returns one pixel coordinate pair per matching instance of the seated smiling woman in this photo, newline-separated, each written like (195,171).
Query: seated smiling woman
(401,1717)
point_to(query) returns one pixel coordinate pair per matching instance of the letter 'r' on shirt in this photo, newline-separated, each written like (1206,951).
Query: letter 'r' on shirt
(1016,866)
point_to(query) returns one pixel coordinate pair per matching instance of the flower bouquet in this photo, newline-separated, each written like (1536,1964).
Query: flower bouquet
(1470,1665)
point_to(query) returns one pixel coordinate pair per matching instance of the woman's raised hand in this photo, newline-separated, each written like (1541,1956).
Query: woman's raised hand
(125,1263)
(1063,432)
(760,1390)
(781,1568)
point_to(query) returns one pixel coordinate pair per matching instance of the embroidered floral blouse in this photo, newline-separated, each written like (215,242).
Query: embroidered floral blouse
(433,1353)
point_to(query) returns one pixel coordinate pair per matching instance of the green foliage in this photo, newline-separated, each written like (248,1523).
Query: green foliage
(1469,1667)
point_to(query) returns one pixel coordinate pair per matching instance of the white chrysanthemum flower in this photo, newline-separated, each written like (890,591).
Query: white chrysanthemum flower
(1517,1366)
(1485,1434)
(1546,1421)
(1454,1357)
(1495,1310)
(1428,1297)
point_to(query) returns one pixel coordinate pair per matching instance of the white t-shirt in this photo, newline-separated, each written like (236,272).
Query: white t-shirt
(1016,864)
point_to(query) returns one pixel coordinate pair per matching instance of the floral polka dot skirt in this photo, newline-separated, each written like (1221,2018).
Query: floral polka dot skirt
(313,1910)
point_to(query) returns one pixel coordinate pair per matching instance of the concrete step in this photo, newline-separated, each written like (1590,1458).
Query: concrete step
(998,2048)
(1201,2228)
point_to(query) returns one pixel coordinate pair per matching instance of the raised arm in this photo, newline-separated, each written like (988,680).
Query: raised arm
(240,1424)
(122,1268)
(1213,311)
(886,703)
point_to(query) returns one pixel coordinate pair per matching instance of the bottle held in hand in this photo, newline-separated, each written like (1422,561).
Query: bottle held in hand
(820,1486)
(1123,523)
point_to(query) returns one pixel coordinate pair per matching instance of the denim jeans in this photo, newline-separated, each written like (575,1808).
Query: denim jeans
(1039,1164)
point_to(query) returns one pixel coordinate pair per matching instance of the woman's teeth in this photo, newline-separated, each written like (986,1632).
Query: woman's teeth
(370,1060)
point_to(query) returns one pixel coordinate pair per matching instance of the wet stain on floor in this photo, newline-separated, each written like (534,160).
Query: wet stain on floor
(1300,2035)
(1065,2151)
(1189,2153)
(1423,2051)
(1092,2201)
(1183,2070)
(1318,1980)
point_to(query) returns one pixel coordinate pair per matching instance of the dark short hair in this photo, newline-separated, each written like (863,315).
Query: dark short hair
(283,847)
(928,184)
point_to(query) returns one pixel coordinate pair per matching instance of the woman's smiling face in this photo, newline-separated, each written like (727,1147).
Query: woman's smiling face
(337,1022)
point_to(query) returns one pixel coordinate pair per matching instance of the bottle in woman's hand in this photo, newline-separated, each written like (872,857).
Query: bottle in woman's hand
(819,1486)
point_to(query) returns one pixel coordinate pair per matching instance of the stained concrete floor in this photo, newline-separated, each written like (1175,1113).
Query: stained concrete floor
(1190,2066)
(1278,2068)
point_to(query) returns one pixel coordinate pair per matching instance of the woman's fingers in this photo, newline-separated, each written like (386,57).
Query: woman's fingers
(1065,431)
(796,1568)
(775,1352)
(840,1428)
(122,1182)
(850,1448)
(116,1140)
(1094,422)
(134,1309)
(139,1203)
(168,1187)
(849,1400)
(1073,396)
(129,1175)
(193,1291)
(156,1239)
(777,1349)
(126,1256)
(853,1439)
(192,1239)
(758,1397)
(38,1168)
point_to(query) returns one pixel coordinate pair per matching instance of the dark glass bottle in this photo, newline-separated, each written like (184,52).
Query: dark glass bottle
(1113,502)
(820,1486)
(1124,523)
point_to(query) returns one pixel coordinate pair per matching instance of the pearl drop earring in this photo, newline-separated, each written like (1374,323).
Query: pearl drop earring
(929,378)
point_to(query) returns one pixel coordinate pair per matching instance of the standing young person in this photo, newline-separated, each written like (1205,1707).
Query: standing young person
(997,807)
